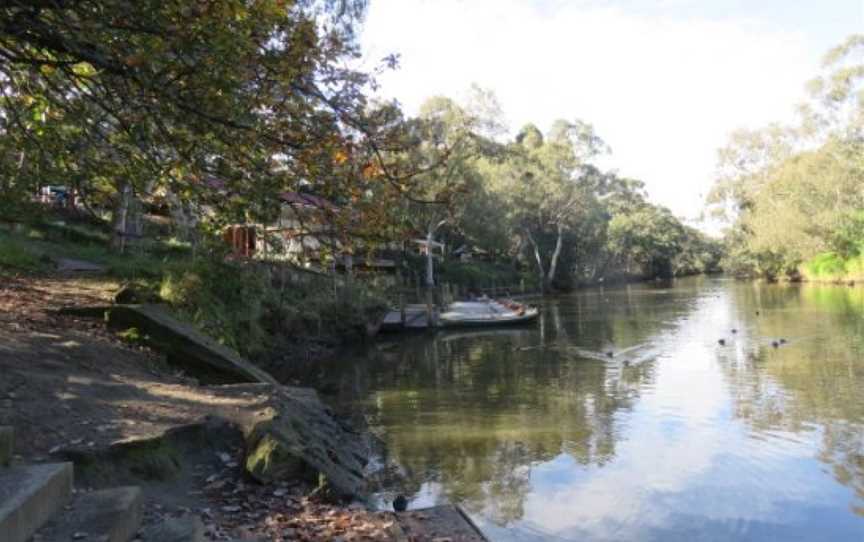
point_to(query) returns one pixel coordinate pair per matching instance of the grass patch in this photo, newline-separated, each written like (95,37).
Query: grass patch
(16,254)
(32,247)
(831,267)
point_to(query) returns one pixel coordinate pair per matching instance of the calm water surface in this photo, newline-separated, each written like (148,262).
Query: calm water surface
(678,439)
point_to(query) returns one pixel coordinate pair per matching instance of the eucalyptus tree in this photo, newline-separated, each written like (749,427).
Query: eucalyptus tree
(543,182)
(445,148)
(793,191)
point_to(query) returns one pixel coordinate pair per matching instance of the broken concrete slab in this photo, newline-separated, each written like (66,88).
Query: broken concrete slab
(187,347)
(294,435)
(7,445)
(29,496)
(153,459)
(287,433)
(108,515)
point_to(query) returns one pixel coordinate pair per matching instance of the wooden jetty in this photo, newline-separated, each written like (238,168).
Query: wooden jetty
(411,317)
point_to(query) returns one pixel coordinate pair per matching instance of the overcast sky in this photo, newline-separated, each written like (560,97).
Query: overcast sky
(663,81)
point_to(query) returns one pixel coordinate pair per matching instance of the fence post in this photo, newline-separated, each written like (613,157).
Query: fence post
(429,310)
(402,306)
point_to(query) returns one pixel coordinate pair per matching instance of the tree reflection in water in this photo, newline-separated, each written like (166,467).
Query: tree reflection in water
(816,383)
(472,411)
(506,421)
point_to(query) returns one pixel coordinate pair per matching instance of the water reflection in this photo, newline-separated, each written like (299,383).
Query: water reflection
(681,439)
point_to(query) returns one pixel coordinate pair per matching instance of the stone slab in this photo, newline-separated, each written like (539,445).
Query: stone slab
(30,496)
(439,522)
(107,515)
(296,436)
(7,445)
(186,346)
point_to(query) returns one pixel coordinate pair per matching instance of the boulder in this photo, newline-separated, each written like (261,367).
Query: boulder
(293,435)
(185,346)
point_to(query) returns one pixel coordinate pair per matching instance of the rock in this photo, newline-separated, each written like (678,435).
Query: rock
(294,435)
(182,529)
(185,346)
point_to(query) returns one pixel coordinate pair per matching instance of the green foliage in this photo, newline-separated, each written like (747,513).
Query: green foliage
(697,254)
(16,255)
(480,274)
(847,239)
(132,336)
(240,304)
(834,267)
(794,192)
(226,300)
(220,105)
(213,110)
(825,266)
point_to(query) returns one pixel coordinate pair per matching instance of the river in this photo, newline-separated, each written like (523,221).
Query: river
(675,437)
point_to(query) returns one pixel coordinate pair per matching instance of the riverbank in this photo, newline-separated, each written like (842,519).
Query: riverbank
(72,389)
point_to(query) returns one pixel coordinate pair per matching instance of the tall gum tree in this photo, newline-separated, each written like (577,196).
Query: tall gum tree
(448,144)
(792,192)
(543,181)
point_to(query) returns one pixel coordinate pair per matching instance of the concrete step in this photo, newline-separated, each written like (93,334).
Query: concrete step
(7,445)
(107,515)
(29,496)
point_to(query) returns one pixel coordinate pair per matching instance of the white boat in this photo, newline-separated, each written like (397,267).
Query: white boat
(486,312)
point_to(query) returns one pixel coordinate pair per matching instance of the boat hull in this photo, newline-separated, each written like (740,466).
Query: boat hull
(490,321)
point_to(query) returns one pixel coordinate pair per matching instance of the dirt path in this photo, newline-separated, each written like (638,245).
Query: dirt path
(68,383)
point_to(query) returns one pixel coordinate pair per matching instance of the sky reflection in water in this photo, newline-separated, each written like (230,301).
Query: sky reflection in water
(689,441)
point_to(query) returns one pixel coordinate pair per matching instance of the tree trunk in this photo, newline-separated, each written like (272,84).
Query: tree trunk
(120,218)
(553,265)
(128,219)
(541,273)
(430,276)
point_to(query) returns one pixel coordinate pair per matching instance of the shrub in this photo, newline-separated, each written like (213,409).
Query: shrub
(831,266)
(226,300)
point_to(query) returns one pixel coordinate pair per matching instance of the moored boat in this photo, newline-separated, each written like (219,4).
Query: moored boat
(486,312)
